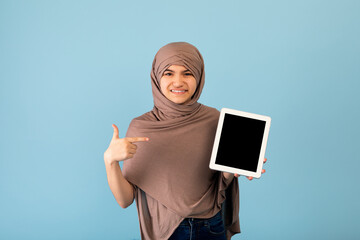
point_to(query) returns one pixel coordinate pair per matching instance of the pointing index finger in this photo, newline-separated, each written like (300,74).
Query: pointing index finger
(137,139)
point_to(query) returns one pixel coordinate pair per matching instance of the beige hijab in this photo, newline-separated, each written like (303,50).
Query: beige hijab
(173,167)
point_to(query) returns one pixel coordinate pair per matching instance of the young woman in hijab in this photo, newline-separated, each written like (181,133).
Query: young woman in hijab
(166,154)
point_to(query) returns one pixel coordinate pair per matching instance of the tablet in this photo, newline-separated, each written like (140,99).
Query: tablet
(240,142)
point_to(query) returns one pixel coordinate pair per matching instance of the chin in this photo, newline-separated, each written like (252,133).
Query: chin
(177,101)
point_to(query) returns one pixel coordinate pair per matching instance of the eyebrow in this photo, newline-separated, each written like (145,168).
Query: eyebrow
(187,70)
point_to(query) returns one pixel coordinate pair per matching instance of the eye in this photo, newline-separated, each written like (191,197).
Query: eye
(167,73)
(188,74)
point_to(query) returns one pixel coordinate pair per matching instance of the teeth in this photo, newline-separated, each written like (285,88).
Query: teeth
(178,90)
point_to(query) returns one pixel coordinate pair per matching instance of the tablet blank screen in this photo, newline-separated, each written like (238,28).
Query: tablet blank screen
(240,142)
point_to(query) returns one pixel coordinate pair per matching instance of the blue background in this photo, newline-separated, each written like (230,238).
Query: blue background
(69,69)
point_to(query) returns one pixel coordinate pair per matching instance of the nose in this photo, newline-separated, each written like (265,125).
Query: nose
(178,81)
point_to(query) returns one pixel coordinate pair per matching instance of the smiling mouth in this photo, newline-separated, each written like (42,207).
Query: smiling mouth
(178,91)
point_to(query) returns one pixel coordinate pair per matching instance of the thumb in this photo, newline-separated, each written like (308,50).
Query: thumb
(116,131)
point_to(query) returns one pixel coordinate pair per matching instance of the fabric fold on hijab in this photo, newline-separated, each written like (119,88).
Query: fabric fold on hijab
(172,168)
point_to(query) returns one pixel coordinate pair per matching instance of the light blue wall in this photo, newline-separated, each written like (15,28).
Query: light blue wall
(69,69)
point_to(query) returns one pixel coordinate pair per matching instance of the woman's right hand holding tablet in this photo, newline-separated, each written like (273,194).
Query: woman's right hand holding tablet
(121,149)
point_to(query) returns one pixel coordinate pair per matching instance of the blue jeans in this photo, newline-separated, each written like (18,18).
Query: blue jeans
(198,229)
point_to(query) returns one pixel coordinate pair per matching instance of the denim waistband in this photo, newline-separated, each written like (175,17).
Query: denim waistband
(200,220)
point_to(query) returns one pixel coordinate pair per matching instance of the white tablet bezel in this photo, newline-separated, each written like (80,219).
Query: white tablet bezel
(223,168)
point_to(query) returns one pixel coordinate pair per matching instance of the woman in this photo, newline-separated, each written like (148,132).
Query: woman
(166,154)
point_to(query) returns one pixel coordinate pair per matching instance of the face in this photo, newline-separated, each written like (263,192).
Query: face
(178,84)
